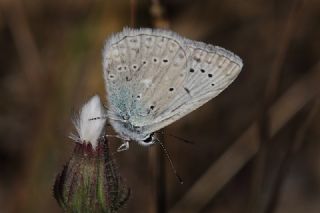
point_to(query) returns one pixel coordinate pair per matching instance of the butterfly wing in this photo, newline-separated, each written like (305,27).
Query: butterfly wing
(210,70)
(138,66)
(155,77)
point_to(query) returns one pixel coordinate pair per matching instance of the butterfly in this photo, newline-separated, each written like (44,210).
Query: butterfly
(154,77)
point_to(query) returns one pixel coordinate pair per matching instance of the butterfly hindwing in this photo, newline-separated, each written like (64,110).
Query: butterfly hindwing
(210,70)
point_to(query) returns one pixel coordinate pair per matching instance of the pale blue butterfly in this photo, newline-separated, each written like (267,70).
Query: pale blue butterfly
(154,77)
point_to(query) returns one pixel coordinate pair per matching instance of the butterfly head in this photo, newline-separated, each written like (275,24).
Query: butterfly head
(128,131)
(148,140)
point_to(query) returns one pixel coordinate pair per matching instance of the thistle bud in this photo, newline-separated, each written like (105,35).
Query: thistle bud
(90,181)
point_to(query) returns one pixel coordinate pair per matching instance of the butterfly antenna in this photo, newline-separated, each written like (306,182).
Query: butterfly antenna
(98,118)
(177,137)
(103,117)
(170,161)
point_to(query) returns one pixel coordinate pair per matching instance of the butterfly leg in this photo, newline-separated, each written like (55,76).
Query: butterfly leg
(123,147)
(112,136)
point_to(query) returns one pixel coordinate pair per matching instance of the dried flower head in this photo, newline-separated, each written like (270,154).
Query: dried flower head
(88,130)
(90,181)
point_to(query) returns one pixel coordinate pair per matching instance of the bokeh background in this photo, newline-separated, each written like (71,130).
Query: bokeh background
(256,145)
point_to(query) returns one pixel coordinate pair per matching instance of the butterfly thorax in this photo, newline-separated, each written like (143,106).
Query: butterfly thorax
(128,131)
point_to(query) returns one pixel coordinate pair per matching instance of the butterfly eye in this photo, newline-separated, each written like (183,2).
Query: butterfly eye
(149,138)
(171,89)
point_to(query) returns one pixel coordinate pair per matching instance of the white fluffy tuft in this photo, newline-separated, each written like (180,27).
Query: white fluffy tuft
(88,130)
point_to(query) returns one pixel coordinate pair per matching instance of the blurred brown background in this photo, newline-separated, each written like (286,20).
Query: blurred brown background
(256,145)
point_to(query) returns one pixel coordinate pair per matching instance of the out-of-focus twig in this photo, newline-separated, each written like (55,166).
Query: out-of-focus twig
(157,13)
(24,41)
(156,158)
(37,89)
(290,155)
(133,6)
(158,180)
(246,146)
(256,202)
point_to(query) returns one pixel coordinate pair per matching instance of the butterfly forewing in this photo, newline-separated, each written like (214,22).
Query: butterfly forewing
(143,68)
